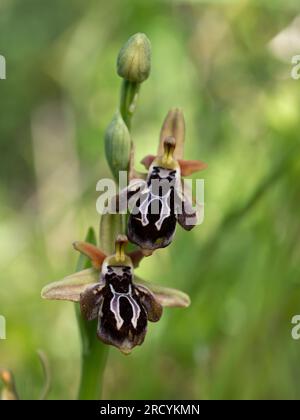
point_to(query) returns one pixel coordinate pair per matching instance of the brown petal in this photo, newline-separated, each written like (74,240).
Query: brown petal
(92,252)
(90,301)
(136,257)
(166,296)
(188,167)
(72,286)
(148,300)
(187,216)
(147,161)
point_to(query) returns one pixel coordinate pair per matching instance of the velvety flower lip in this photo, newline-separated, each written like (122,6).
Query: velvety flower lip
(122,308)
(152,230)
(112,294)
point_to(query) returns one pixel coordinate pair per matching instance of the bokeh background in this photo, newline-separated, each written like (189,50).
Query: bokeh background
(228,65)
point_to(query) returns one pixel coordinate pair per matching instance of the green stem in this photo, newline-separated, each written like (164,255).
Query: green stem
(93,361)
(128,100)
(93,352)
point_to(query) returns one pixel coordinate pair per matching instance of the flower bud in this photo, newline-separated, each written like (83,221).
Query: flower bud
(134,59)
(118,145)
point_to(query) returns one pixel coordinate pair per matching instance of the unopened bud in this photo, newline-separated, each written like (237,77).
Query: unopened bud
(118,145)
(134,59)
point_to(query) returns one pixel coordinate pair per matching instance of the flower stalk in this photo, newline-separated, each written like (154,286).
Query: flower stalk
(128,100)
(93,353)
(133,65)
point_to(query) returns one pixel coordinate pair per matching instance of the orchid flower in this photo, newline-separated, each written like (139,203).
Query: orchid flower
(160,200)
(110,292)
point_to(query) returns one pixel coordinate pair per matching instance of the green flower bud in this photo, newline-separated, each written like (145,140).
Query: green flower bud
(134,59)
(118,145)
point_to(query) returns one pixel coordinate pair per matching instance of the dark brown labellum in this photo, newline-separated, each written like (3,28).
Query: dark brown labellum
(159,206)
(121,307)
(152,222)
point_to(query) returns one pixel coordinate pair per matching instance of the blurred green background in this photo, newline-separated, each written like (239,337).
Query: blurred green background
(227,64)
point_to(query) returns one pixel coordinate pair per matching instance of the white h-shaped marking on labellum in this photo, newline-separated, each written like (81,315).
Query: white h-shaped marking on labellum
(115,307)
(165,210)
